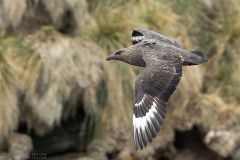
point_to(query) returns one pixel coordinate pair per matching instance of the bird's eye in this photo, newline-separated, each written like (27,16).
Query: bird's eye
(118,52)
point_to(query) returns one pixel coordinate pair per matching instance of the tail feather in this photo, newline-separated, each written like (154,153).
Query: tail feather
(194,58)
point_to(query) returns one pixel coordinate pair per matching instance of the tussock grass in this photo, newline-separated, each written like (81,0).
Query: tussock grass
(43,81)
(212,27)
(115,20)
(14,57)
(61,81)
(66,16)
(109,29)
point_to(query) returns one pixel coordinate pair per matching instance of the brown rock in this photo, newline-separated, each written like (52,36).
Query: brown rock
(20,146)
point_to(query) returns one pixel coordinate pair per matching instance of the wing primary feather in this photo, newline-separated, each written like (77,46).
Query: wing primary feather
(155,124)
(140,140)
(137,113)
(144,108)
(161,105)
(158,118)
(151,129)
(148,133)
(137,143)
(144,137)
(140,114)
(160,113)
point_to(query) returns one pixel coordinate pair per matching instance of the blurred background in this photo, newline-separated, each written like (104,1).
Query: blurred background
(60,99)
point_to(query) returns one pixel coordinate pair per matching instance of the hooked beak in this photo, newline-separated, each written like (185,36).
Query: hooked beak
(110,57)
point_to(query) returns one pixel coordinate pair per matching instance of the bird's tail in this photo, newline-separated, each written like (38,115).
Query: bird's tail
(194,58)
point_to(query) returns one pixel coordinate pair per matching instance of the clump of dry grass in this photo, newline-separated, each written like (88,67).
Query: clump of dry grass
(67,16)
(12,51)
(60,79)
(109,29)
(115,20)
(225,42)
(213,27)
(47,83)
(11,13)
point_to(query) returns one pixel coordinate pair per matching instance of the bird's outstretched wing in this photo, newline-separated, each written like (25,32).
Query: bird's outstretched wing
(153,88)
(140,34)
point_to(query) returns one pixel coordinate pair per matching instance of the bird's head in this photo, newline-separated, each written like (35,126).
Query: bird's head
(128,55)
(132,54)
(118,55)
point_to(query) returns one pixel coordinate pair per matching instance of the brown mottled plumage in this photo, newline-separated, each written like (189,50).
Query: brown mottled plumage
(163,60)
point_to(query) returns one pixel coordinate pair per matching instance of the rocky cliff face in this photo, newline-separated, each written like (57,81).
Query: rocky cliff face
(52,83)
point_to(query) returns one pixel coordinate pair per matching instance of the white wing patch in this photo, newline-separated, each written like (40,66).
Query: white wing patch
(138,38)
(141,124)
(140,103)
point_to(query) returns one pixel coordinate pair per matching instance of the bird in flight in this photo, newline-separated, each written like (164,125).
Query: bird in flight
(162,59)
